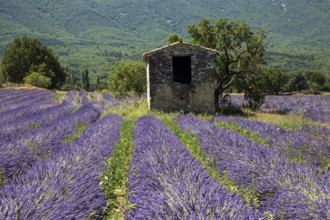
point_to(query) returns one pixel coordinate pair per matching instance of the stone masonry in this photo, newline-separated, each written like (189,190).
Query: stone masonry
(196,93)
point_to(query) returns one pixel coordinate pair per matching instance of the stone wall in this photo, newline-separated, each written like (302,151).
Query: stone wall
(167,95)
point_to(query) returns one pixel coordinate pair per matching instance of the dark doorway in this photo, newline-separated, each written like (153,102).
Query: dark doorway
(182,69)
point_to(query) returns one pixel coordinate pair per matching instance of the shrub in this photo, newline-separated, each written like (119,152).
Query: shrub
(127,77)
(38,79)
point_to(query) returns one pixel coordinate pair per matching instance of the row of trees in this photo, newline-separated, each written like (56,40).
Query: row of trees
(276,82)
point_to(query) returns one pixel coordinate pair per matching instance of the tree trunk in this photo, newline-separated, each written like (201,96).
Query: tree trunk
(217,94)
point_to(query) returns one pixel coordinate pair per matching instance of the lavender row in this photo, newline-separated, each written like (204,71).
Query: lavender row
(316,108)
(286,189)
(65,186)
(39,118)
(17,108)
(69,97)
(311,144)
(27,97)
(25,110)
(97,100)
(166,182)
(6,92)
(14,94)
(30,109)
(26,148)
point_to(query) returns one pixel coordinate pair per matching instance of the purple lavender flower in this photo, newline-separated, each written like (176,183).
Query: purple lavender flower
(27,147)
(288,190)
(111,99)
(83,97)
(166,182)
(316,108)
(65,185)
(310,144)
(69,97)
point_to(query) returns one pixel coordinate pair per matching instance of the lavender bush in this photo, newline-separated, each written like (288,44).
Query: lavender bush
(66,185)
(33,100)
(69,97)
(310,144)
(83,97)
(288,190)
(16,101)
(111,99)
(37,118)
(25,148)
(316,108)
(166,182)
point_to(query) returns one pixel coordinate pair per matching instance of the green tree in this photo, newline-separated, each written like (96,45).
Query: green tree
(275,81)
(128,76)
(315,80)
(173,38)
(26,55)
(254,87)
(326,86)
(297,82)
(241,50)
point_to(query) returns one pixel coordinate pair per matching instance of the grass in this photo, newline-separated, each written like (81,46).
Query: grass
(288,121)
(130,108)
(114,180)
(59,97)
(2,179)
(244,132)
(80,128)
(325,93)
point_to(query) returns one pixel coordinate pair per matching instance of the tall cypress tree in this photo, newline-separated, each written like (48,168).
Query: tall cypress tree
(87,84)
(85,80)
(82,77)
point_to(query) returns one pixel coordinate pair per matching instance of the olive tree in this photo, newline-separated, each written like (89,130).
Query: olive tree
(240,52)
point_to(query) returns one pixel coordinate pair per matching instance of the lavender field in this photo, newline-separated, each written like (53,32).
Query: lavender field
(92,156)
(315,107)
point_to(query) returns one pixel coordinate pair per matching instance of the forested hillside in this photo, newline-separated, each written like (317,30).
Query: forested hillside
(96,33)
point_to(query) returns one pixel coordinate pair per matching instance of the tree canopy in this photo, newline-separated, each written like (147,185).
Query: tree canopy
(240,51)
(128,76)
(27,55)
(173,38)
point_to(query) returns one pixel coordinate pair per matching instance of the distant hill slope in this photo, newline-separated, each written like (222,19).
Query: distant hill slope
(95,33)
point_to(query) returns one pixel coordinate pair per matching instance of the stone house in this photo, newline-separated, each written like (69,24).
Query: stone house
(180,76)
